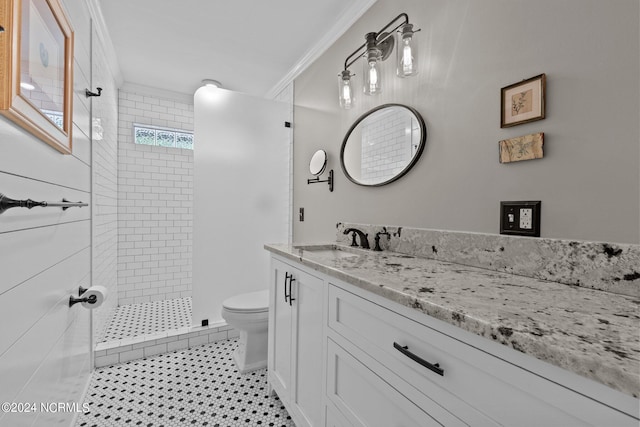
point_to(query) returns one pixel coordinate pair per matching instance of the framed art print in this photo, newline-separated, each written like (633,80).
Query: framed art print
(36,69)
(523,102)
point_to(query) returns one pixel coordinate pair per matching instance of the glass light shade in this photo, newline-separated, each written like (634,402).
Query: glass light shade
(345,90)
(372,73)
(407,52)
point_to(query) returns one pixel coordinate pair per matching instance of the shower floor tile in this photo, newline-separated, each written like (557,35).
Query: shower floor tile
(147,318)
(196,387)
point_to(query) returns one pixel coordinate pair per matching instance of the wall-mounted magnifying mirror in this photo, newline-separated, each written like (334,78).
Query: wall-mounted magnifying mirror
(318,163)
(383,145)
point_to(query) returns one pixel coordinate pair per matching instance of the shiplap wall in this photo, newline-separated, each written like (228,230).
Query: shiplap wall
(45,254)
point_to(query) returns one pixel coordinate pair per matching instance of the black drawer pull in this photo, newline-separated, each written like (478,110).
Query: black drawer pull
(433,367)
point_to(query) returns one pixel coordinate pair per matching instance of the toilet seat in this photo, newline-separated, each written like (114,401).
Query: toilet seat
(252,302)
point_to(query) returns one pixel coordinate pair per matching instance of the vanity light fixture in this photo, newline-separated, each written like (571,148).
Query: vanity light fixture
(345,89)
(376,49)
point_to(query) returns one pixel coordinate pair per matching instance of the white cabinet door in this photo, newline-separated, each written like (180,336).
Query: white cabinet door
(307,347)
(280,330)
(295,342)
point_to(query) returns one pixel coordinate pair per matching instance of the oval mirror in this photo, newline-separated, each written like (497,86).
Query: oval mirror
(383,145)
(318,162)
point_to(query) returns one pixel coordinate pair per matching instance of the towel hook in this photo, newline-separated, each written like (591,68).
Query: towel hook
(88,93)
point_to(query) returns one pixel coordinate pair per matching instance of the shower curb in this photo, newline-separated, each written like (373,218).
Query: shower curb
(128,349)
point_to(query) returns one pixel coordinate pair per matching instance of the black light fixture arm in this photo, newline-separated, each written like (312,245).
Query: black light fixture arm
(359,51)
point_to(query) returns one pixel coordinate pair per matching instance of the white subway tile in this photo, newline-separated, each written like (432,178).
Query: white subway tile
(156,349)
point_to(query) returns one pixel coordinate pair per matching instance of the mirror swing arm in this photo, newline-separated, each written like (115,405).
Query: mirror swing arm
(328,180)
(317,166)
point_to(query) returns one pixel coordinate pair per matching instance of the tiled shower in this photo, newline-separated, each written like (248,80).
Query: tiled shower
(146,191)
(151,313)
(155,202)
(148,332)
(148,194)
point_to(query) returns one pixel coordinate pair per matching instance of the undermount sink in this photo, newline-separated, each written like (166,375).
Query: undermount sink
(328,251)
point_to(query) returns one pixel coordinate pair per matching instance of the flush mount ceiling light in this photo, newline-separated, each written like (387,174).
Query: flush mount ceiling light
(377,48)
(211,83)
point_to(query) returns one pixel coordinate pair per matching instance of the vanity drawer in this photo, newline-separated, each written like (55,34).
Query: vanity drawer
(477,387)
(366,400)
(333,417)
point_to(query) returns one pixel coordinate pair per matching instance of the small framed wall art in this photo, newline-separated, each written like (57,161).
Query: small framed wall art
(522,102)
(526,147)
(36,69)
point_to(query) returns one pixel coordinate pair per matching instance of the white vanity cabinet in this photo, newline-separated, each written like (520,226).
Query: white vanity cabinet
(342,356)
(296,341)
(387,366)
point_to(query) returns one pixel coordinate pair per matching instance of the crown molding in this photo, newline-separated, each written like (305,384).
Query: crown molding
(348,18)
(100,26)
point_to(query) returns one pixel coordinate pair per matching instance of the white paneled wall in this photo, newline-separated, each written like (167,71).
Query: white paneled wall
(155,192)
(45,254)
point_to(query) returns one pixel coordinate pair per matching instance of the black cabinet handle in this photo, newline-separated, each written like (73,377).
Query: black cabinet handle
(291,299)
(286,277)
(287,296)
(433,367)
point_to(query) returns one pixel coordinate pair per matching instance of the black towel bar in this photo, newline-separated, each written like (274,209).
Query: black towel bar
(8,203)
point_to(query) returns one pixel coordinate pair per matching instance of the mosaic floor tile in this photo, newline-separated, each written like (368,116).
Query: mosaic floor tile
(196,387)
(147,318)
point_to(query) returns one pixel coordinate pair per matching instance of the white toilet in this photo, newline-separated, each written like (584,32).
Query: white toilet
(249,315)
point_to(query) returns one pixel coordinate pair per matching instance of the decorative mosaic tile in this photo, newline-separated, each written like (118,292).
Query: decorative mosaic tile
(147,318)
(196,387)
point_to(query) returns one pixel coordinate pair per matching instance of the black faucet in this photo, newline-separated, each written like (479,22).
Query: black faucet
(384,232)
(364,241)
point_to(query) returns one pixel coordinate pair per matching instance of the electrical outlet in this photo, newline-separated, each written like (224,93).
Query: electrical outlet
(520,218)
(526,215)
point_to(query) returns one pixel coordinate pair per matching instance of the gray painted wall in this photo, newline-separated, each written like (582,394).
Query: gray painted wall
(589,179)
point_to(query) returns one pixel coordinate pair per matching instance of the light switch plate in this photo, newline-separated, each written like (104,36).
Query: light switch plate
(520,218)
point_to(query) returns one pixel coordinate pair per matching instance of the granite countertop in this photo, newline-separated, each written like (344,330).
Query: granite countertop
(592,333)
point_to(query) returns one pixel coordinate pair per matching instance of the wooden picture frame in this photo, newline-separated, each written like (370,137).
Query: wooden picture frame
(36,69)
(522,102)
